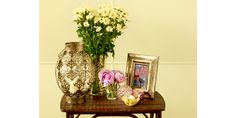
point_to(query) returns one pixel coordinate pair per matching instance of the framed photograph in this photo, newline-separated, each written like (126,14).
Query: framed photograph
(141,72)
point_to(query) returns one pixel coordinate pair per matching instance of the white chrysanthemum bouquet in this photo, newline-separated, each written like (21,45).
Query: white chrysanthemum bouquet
(99,28)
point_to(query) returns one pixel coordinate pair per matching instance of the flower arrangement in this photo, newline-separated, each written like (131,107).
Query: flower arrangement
(98,29)
(111,77)
(110,80)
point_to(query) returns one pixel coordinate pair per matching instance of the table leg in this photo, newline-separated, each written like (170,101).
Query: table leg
(151,115)
(69,115)
(77,116)
(128,114)
(145,115)
(158,114)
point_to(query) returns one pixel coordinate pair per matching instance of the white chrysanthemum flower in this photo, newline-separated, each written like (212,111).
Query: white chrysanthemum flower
(95,13)
(124,19)
(77,17)
(121,15)
(79,25)
(113,15)
(97,19)
(106,21)
(105,13)
(125,14)
(109,29)
(98,29)
(89,16)
(101,20)
(86,24)
(119,27)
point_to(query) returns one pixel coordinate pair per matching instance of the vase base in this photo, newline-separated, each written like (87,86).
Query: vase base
(75,100)
(111,98)
(101,92)
(97,94)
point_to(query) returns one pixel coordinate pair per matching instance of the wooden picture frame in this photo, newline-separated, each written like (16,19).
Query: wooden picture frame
(141,72)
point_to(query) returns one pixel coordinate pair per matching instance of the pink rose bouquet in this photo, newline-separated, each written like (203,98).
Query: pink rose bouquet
(110,79)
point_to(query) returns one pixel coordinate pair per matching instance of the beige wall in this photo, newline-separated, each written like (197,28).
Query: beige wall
(165,28)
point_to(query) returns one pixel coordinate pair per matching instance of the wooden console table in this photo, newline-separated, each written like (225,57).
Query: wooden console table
(100,106)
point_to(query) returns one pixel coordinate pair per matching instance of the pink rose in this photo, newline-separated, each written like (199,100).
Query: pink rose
(119,76)
(106,77)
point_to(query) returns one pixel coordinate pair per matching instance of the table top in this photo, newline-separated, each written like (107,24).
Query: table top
(99,104)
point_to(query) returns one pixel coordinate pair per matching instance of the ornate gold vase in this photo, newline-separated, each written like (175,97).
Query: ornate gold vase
(74,72)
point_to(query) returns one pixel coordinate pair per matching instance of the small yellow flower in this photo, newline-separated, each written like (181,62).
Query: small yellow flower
(119,27)
(89,16)
(86,24)
(113,15)
(97,19)
(105,13)
(109,29)
(106,21)
(98,29)
(76,17)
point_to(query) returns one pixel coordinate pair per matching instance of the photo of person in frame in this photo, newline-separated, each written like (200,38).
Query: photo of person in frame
(140,75)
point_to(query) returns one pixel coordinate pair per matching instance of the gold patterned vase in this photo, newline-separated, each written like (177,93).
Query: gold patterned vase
(74,72)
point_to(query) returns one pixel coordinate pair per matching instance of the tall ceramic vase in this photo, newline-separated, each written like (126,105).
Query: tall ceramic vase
(74,72)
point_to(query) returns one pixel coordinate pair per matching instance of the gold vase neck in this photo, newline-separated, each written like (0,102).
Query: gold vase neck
(74,46)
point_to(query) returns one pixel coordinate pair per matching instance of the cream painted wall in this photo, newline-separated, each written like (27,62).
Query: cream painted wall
(157,27)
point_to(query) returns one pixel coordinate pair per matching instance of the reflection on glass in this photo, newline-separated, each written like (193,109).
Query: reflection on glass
(140,75)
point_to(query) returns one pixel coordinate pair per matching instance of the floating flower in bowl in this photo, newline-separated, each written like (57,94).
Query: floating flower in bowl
(130,100)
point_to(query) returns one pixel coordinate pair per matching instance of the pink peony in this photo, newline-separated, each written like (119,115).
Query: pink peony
(106,77)
(119,76)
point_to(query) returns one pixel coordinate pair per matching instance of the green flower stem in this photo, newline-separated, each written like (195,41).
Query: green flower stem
(111,91)
(96,81)
(98,62)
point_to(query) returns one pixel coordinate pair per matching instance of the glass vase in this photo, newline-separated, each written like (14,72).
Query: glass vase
(97,89)
(111,92)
